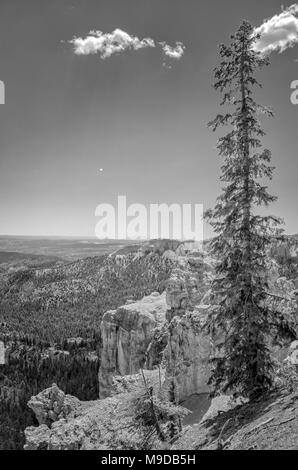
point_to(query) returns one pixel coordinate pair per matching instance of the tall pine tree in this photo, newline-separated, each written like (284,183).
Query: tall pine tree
(242,237)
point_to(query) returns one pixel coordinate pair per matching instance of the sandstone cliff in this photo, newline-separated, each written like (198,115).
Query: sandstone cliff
(126,335)
(134,335)
(186,356)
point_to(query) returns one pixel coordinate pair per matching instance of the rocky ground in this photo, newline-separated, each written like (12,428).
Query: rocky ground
(270,422)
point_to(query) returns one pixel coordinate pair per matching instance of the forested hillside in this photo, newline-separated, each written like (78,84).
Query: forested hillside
(50,324)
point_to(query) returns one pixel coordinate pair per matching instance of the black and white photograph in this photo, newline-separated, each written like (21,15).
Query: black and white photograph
(148,229)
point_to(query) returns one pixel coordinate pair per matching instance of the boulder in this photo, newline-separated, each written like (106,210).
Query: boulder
(52,404)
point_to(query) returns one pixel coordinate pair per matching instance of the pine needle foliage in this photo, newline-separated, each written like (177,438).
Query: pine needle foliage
(243,237)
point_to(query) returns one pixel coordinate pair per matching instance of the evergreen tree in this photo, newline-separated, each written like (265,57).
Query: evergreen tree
(240,288)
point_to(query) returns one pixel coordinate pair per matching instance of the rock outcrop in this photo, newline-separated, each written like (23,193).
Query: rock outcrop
(133,337)
(176,294)
(91,430)
(52,404)
(186,355)
(160,246)
(188,283)
(285,250)
(95,425)
(126,335)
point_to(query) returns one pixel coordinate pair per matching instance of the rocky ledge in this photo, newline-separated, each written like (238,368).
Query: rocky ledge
(93,425)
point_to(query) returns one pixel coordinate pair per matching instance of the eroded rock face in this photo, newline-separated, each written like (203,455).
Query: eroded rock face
(188,346)
(37,438)
(284,251)
(187,354)
(126,334)
(52,404)
(188,283)
(176,294)
(132,336)
(96,425)
(89,430)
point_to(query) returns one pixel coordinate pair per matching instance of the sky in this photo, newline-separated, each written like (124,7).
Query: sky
(138,112)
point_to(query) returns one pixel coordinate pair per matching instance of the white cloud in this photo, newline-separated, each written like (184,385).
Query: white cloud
(175,52)
(107,44)
(279,32)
